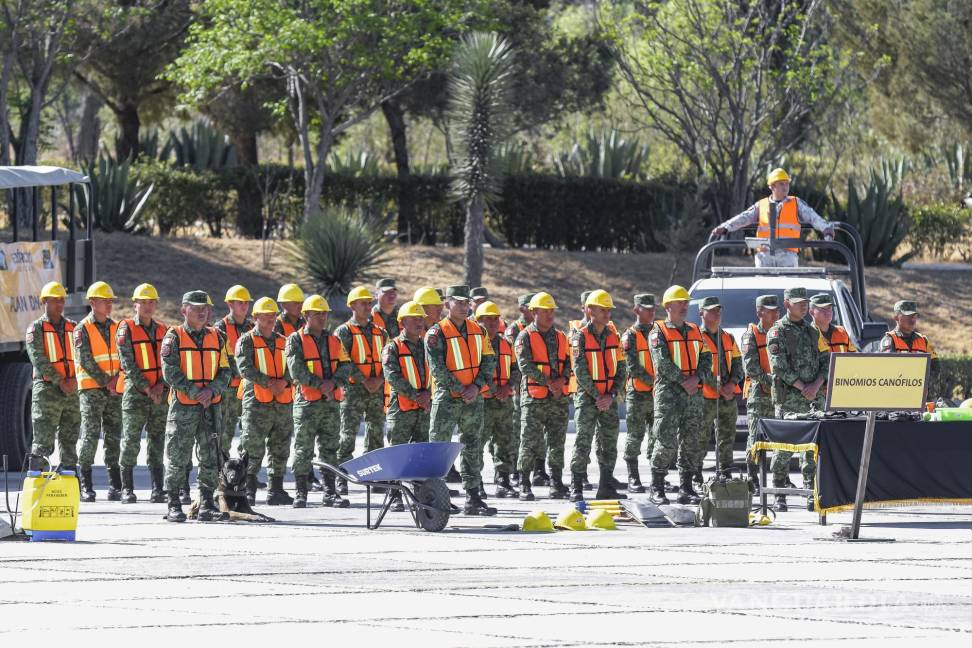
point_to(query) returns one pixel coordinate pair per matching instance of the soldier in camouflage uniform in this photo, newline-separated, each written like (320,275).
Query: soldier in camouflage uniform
(462,361)
(720,394)
(639,399)
(512,332)
(144,395)
(267,418)
(234,324)
(98,366)
(319,366)
(54,409)
(543,356)
(758,388)
(601,374)
(196,367)
(682,365)
(833,337)
(385,311)
(905,338)
(799,371)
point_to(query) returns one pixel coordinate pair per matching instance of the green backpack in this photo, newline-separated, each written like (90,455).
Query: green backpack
(725,503)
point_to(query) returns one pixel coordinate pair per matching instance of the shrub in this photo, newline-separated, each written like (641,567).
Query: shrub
(184,198)
(940,229)
(956,372)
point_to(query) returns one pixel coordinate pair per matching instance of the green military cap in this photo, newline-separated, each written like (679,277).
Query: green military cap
(524,299)
(795,295)
(457,292)
(767,301)
(905,307)
(708,303)
(385,284)
(197,298)
(644,299)
(479,291)
(822,300)
(585,295)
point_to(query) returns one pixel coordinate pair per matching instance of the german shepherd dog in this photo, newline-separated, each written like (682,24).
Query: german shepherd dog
(231,494)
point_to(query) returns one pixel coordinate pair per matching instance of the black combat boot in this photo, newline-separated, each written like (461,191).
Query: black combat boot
(475,505)
(697,479)
(397,502)
(251,489)
(127,486)
(586,483)
(526,490)
(207,507)
(114,484)
(313,483)
(687,494)
(185,491)
(811,500)
(36,463)
(634,479)
(175,513)
(753,471)
(87,486)
(300,500)
(453,477)
(331,496)
(342,486)
(503,486)
(540,477)
(515,478)
(158,490)
(726,473)
(482,489)
(276,495)
(779,503)
(606,489)
(658,489)
(576,487)
(557,488)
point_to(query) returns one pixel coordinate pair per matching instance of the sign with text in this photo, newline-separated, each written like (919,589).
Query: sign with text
(878,381)
(24,269)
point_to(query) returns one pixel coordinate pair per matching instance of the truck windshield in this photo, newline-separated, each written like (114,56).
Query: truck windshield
(739,305)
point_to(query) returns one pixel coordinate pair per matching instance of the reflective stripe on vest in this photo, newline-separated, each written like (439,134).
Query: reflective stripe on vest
(315,364)
(538,353)
(504,365)
(270,362)
(764,363)
(410,370)
(200,364)
(59,350)
(711,393)
(233,333)
(602,363)
(105,355)
(147,352)
(918,345)
(683,350)
(463,354)
(367,357)
(839,341)
(644,359)
(286,326)
(787,220)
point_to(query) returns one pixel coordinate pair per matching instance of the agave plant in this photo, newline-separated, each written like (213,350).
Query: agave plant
(605,154)
(202,148)
(117,198)
(363,164)
(878,212)
(513,158)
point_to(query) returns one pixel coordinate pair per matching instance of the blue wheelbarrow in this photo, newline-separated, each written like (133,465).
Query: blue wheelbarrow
(415,471)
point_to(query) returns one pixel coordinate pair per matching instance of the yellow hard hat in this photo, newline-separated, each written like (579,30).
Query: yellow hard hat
(238,293)
(145,291)
(601,519)
(776,175)
(675,293)
(487,308)
(99,289)
(315,303)
(265,305)
(966,403)
(52,289)
(571,520)
(360,292)
(599,298)
(537,521)
(411,309)
(427,296)
(542,300)
(290,293)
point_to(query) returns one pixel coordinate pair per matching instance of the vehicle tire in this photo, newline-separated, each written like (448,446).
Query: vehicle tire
(15,430)
(434,493)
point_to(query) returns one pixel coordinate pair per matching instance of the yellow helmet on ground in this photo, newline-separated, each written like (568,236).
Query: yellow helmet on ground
(675,293)
(537,521)
(571,520)
(360,292)
(542,300)
(777,175)
(52,289)
(487,308)
(265,305)
(99,289)
(411,309)
(601,519)
(145,291)
(238,293)
(599,298)
(427,296)
(290,293)
(315,303)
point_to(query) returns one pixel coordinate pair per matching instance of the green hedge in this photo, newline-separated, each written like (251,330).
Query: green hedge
(955,371)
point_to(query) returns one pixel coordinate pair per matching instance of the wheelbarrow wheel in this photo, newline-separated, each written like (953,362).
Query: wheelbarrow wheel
(433,493)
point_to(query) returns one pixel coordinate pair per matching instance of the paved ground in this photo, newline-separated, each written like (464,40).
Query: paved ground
(318,574)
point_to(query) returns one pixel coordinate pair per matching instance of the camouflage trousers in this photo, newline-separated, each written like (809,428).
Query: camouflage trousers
(447,414)
(138,412)
(592,425)
(358,404)
(793,402)
(543,431)
(677,429)
(498,433)
(723,422)
(267,428)
(55,415)
(406,427)
(100,412)
(640,414)
(317,422)
(232,410)
(757,407)
(185,426)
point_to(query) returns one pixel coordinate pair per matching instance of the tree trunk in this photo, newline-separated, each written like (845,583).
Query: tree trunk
(26,153)
(89,132)
(128,126)
(249,199)
(473,261)
(395,116)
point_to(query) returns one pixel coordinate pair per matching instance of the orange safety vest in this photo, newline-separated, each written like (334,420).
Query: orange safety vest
(764,362)
(286,326)
(538,352)
(644,358)
(787,220)
(918,345)
(367,357)
(315,364)
(504,366)
(147,350)
(105,355)
(839,341)
(59,350)
(233,333)
(603,364)
(200,364)
(711,393)
(463,354)
(684,351)
(271,363)
(410,370)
